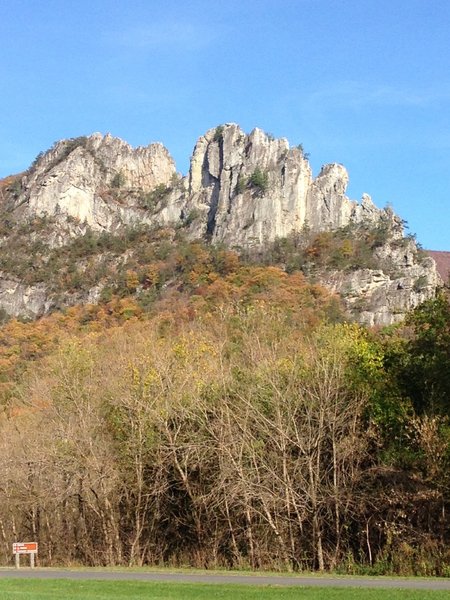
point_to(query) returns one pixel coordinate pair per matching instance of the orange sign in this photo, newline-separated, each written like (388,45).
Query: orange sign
(25,548)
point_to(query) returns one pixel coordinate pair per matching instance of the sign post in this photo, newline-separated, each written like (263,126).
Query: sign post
(30,548)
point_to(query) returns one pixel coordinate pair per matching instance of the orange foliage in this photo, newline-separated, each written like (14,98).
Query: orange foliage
(21,343)
(191,282)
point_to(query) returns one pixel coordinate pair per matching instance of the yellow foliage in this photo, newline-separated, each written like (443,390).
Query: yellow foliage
(132,280)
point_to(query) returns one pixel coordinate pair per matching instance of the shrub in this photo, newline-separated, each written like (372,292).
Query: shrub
(106,295)
(16,187)
(74,143)
(157,195)
(69,146)
(191,217)
(218,134)
(36,161)
(118,180)
(4,316)
(420,283)
(302,150)
(260,180)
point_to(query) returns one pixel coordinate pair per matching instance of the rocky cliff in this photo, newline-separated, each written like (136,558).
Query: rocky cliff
(251,189)
(244,191)
(80,179)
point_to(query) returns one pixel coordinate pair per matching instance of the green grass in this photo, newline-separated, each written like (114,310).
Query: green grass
(51,589)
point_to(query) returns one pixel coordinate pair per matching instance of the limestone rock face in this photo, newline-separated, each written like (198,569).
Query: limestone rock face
(24,300)
(242,190)
(366,211)
(327,205)
(231,207)
(223,187)
(77,178)
(246,213)
(382,297)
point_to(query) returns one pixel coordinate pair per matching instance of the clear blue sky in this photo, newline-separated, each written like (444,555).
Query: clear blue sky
(361,82)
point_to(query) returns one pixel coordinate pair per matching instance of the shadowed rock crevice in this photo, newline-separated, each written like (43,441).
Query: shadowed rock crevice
(215,195)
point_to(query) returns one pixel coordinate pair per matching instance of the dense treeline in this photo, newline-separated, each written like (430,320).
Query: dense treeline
(243,424)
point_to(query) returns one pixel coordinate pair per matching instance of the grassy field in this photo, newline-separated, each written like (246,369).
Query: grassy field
(23,589)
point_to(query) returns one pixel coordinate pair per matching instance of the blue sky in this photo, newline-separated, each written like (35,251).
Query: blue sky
(362,82)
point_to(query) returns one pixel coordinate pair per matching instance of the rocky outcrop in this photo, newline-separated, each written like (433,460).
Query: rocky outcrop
(374,297)
(237,209)
(244,191)
(24,300)
(84,179)
(407,276)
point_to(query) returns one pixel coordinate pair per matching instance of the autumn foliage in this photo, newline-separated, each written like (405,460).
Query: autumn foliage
(216,412)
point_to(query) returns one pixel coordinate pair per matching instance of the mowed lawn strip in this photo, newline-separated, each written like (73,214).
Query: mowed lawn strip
(51,589)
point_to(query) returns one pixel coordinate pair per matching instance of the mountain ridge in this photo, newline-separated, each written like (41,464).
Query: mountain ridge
(242,191)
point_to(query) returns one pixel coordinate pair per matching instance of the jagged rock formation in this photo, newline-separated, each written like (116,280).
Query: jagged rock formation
(102,182)
(244,191)
(77,179)
(382,297)
(237,211)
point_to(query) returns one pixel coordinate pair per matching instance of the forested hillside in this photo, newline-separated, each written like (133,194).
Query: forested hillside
(213,410)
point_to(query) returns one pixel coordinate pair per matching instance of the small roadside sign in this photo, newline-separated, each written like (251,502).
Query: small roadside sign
(25,548)
(30,548)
